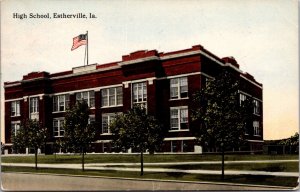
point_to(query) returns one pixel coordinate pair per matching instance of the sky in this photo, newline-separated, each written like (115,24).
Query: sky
(261,35)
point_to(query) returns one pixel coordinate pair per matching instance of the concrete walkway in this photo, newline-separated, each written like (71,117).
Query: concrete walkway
(102,166)
(53,182)
(197,162)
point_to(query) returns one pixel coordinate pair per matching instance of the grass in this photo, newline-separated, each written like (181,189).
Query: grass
(245,179)
(135,158)
(272,167)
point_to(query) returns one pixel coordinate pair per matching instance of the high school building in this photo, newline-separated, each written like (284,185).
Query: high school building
(163,82)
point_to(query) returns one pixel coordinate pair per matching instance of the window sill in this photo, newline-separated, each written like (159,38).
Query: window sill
(178,99)
(58,136)
(180,130)
(16,116)
(257,135)
(58,112)
(111,106)
(105,134)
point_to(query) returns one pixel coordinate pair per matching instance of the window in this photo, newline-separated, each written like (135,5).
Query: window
(58,127)
(242,98)
(256,128)
(174,146)
(34,108)
(61,102)
(179,88)
(15,126)
(139,92)
(256,107)
(179,118)
(180,146)
(87,96)
(15,108)
(34,105)
(112,97)
(106,120)
(91,119)
(246,129)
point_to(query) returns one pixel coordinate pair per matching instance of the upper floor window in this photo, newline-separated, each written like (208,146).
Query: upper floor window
(256,129)
(179,118)
(58,127)
(242,98)
(15,126)
(179,88)
(139,92)
(256,107)
(112,96)
(34,108)
(87,96)
(34,105)
(15,108)
(61,102)
(106,120)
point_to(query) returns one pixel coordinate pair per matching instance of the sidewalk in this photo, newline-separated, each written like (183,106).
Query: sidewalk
(101,166)
(199,162)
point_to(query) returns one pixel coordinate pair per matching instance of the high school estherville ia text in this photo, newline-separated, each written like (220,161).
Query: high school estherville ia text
(53,15)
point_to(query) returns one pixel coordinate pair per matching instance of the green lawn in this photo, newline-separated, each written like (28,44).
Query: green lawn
(272,167)
(135,158)
(246,179)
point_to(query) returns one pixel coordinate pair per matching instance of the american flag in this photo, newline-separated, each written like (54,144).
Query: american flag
(78,41)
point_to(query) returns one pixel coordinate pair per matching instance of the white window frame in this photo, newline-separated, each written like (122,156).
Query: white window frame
(110,117)
(57,101)
(34,103)
(106,95)
(179,87)
(60,122)
(139,92)
(179,118)
(91,119)
(34,107)
(256,128)
(15,126)
(15,108)
(256,108)
(90,97)
(243,98)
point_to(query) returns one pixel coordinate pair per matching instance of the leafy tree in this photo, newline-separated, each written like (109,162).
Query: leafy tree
(18,140)
(219,114)
(78,132)
(32,135)
(292,142)
(58,145)
(138,131)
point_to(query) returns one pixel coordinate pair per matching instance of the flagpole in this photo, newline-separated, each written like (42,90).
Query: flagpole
(84,56)
(87,48)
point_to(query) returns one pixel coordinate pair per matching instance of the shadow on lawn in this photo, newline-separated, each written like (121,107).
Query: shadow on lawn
(176,175)
(256,178)
(272,168)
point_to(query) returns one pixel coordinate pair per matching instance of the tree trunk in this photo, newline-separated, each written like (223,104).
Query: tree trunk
(82,159)
(142,163)
(35,154)
(223,163)
(54,146)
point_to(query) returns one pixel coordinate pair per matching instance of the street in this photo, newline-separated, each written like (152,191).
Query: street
(29,182)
